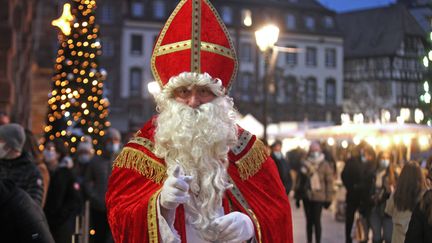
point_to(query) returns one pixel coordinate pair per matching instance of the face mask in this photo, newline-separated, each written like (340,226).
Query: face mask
(384,163)
(113,147)
(3,151)
(49,155)
(363,159)
(278,155)
(84,158)
(315,155)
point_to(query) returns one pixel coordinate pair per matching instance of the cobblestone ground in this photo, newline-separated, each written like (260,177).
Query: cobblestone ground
(332,230)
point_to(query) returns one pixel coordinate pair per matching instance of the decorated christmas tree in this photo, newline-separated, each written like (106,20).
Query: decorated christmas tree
(76,106)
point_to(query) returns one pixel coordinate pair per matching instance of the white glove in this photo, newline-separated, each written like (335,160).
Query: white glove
(234,227)
(175,190)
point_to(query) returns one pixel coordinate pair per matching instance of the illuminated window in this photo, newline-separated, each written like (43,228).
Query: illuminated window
(247,17)
(159,9)
(227,14)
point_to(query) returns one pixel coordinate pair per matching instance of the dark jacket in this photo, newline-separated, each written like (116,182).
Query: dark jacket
(96,182)
(22,220)
(25,174)
(284,172)
(419,230)
(63,199)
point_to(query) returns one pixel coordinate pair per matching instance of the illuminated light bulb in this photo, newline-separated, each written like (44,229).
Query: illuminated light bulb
(85,43)
(95,82)
(62,107)
(57,134)
(67,114)
(99,152)
(80,53)
(83,105)
(70,96)
(406,140)
(426,61)
(423,142)
(68,90)
(86,112)
(83,121)
(51,137)
(101,133)
(90,129)
(330,141)
(69,123)
(73,150)
(344,144)
(79,44)
(95,99)
(63,97)
(82,72)
(84,24)
(385,142)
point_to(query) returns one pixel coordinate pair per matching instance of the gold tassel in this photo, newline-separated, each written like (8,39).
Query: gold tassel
(142,163)
(252,162)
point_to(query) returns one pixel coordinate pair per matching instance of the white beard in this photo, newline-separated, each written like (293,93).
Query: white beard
(198,140)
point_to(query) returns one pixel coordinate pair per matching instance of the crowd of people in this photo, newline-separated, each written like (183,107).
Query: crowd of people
(386,199)
(48,189)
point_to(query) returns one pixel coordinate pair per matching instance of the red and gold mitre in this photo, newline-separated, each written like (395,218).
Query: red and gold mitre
(194,39)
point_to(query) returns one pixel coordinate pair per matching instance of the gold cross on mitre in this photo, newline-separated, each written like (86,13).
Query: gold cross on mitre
(63,23)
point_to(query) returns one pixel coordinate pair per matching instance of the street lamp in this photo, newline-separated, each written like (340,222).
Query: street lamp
(266,37)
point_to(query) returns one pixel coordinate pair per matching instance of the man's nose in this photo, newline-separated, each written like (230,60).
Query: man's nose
(194,101)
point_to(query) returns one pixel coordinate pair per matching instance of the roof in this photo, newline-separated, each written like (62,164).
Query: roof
(377,31)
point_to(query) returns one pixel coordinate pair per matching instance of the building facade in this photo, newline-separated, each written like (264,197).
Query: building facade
(307,80)
(383,70)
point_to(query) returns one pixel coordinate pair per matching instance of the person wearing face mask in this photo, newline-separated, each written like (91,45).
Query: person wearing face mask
(282,165)
(95,180)
(16,164)
(63,201)
(315,188)
(384,184)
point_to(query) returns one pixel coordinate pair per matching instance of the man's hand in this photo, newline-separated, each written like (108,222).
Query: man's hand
(175,190)
(234,227)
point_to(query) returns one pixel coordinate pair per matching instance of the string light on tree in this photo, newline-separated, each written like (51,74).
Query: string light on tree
(76,106)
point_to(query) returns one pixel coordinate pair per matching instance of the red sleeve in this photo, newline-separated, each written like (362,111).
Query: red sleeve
(266,196)
(128,199)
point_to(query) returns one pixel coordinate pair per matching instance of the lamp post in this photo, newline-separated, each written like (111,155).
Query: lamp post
(266,37)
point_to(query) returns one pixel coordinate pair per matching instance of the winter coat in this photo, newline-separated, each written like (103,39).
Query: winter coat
(419,229)
(400,220)
(284,172)
(358,179)
(22,220)
(96,182)
(25,174)
(316,181)
(63,199)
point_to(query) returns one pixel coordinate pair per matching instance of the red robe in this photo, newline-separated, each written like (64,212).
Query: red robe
(138,176)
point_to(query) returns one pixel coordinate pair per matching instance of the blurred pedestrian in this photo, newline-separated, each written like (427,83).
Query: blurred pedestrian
(31,147)
(4,118)
(357,177)
(95,186)
(315,189)
(83,156)
(420,225)
(282,165)
(384,184)
(22,219)
(409,189)
(63,199)
(16,164)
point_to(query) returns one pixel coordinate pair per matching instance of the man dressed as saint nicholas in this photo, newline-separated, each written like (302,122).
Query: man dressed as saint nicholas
(191,174)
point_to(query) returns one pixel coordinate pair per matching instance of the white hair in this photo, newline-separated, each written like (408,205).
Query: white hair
(198,140)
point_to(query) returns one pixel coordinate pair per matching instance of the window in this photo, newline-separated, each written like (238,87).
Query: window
(135,79)
(246,52)
(247,17)
(290,89)
(107,47)
(330,57)
(291,55)
(136,44)
(311,56)
(290,21)
(106,16)
(137,9)
(159,9)
(330,92)
(245,83)
(310,23)
(311,91)
(227,15)
(328,22)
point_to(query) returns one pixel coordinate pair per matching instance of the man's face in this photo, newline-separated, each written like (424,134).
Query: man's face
(193,96)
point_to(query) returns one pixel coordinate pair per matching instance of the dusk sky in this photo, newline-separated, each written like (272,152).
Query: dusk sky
(349,5)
